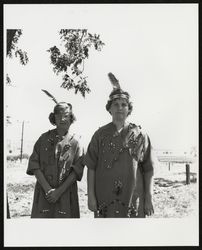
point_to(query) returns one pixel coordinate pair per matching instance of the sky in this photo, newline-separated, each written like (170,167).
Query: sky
(151,49)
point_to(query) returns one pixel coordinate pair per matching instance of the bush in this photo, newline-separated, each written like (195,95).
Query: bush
(16,157)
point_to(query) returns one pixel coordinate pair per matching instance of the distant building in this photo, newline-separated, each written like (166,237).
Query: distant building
(167,152)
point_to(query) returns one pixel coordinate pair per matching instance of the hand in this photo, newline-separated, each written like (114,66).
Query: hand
(53,195)
(148,206)
(92,203)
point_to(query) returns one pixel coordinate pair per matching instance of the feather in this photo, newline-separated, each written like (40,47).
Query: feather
(114,81)
(51,96)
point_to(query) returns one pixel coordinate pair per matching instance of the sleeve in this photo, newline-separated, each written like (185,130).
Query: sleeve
(78,165)
(149,159)
(34,160)
(91,156)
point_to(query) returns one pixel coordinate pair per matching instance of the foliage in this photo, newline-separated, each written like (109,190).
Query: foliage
(8,80)
(8,121)
(12,40)
(12,49)
(17,157)
(77,43)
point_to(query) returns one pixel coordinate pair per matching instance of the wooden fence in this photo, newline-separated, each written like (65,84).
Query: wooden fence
(178,159)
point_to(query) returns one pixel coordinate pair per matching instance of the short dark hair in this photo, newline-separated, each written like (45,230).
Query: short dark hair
(52,114)
(52,118)
(118,91)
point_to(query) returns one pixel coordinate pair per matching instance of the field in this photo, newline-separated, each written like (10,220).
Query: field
(172,197)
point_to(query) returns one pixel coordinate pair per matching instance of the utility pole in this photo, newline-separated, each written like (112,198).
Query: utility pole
(22,139)
(21,148)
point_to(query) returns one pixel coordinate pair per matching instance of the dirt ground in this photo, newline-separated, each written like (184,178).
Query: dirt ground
(172,197)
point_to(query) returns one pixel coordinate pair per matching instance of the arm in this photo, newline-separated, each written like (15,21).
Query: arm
(148,182)
(34,167)
(67,183)
(75,174)
(92,202)
(42,181)
(55,194)
(148,166)
(91,160)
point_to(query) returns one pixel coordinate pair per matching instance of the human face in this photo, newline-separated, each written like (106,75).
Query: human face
(62,120)
(119,109)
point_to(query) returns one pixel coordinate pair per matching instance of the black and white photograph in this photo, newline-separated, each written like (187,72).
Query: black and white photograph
(101,125)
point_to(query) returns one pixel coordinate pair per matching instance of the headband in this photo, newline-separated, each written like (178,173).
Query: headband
(115,96)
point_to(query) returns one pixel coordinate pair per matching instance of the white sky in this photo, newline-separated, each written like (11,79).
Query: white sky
(153,50)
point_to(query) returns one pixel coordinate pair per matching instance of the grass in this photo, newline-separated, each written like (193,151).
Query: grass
(172,197)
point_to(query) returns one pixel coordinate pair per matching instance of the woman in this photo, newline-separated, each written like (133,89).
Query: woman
(56,164)
(120,164)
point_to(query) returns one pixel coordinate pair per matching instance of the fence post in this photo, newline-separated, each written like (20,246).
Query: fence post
(169,165)
(21,148)
(187,173)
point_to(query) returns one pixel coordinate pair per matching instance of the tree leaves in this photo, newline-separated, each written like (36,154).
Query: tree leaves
(12,49)
(8,80)
(12,39)
(8,119)
(79,86)
(77,43)
(23,56)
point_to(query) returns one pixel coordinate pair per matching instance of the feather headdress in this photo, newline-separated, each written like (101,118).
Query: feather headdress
(117,92)
(49,95)
(114,81)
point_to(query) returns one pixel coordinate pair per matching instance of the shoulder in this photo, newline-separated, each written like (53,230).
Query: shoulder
(45,136)
(137,129)
(100,132)
(48,133)
(134,127)
(104,129)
